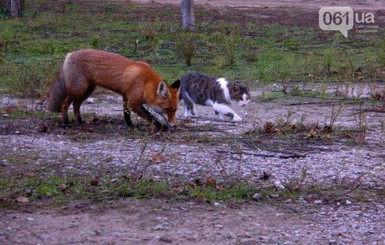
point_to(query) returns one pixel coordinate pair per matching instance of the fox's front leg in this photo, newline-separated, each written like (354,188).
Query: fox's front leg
(127,115)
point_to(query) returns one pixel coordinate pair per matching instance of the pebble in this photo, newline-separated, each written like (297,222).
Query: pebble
(348,202)
(278,185)
(257,197)
(217,204)
(274,196)
(318,202)
(160,227)
(165,239)
(90,101)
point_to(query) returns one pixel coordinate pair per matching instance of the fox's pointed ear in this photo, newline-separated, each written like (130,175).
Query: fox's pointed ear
(176,84)
(162,90)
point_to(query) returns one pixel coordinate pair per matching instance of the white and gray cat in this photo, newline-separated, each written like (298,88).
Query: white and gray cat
(219,93)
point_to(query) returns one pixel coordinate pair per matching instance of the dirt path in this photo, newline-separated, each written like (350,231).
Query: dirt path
(127,221)
(162,222)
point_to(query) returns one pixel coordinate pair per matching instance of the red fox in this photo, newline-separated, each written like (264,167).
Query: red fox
(136,81)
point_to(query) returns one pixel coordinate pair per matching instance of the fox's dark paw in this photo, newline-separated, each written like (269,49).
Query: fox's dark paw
(65,125)
(164,128)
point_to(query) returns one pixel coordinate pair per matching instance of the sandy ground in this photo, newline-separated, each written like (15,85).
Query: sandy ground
(127,221)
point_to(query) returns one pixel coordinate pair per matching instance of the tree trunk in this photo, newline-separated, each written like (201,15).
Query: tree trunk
(14,7)
(188,20)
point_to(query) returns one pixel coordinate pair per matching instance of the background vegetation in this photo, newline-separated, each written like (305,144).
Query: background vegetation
(238,44)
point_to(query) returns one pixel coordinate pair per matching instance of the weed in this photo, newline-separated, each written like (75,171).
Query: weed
(333,117)
(185,46)
(329,56)
(47,46)
(95,42)
(230,46)
(381,52)
(362,122)
(6,35)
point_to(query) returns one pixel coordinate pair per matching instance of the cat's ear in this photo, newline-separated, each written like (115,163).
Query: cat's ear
(237,87)
(176,84)
(162,90)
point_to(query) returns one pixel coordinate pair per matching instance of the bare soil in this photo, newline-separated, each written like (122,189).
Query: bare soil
(201,148)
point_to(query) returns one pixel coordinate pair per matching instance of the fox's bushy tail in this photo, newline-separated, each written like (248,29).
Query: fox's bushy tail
(57,93)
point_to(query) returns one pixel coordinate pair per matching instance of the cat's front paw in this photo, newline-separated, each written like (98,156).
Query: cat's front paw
(237,118)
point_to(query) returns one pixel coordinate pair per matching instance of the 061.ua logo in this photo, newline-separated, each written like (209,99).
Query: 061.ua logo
(342,19)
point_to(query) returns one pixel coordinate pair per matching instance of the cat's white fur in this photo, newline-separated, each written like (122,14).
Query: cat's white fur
(222,109)
(223,83)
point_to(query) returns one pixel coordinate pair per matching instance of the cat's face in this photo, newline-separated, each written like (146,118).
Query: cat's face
(240,94)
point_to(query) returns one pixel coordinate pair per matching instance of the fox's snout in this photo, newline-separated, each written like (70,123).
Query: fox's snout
(171,120)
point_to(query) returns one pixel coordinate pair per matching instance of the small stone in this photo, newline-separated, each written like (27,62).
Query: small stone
(114,180)
(4,162)
(165,239)
(274,196)
(159,227)
(257,197)
(332,242)
(348,202)
(5,115)
(302,200)
(278,185)
(218,226)
(90,101)
(30,219)
(217,204)
(318,202)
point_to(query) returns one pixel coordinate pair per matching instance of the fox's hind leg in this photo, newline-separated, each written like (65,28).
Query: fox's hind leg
(64,108)
(78,102)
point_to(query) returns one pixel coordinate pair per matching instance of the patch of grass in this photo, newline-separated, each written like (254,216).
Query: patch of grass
(186,46)
(263,51)
(36,189)
(143,189)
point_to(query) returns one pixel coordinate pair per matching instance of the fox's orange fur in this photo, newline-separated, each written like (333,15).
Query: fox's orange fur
(136,81)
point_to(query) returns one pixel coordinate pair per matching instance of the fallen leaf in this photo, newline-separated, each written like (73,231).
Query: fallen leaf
(269,128)
(158,158)
(30,175)
(63,187)
(211,182)
(95,181)
(22,199)
(313,133)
